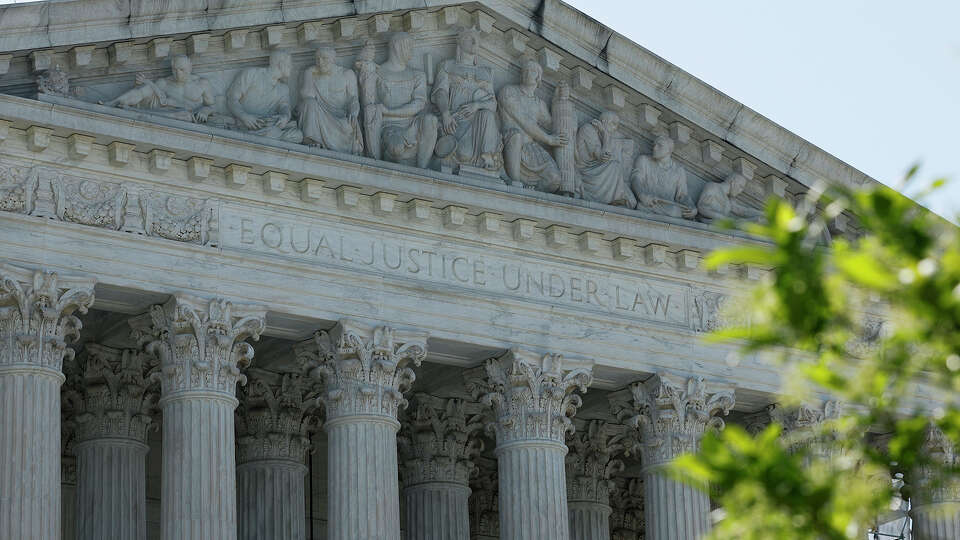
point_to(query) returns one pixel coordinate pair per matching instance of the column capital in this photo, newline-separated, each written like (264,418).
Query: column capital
(626,520)
(365,369)
(200,342)
(37,315)
(532,395)
(276,415)
(933,488)
(592,460)
(438,441)
(671,413)
(110,394)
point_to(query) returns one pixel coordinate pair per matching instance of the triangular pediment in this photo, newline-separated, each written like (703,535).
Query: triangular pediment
(102,48)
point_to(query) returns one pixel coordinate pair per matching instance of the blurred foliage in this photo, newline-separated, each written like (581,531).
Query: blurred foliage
(870,319)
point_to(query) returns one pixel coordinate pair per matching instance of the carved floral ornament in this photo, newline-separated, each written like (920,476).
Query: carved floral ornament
(364,369)
(200,343)
(443,114)
(532,395)
(671,414)
(110,393)
(37,315)
(439,440)
(593,460)
(277,414)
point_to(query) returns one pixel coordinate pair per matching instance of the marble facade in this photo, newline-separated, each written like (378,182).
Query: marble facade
(366,271)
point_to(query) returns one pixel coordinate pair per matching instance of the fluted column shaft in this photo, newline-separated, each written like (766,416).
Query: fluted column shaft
(674,510)
(271,495)
(30,452)
(111,489)
(36,321)
(533,490)
(437,511)
(362,479)
(589,521)
(938,521)
(198,483)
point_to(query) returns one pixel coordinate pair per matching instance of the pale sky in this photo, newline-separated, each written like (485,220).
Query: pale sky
(874,82)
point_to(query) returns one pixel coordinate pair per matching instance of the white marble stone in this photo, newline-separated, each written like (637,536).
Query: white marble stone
(365,371)
(36,322)
(532,397)
(201,348)
(936,506)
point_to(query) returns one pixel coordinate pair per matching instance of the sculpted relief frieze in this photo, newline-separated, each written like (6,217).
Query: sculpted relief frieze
(50,193)
(425,107)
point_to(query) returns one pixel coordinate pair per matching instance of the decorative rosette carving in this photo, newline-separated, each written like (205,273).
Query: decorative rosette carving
(532,395)
(200,342)
(18,188)
(485,501)
(110,394)
(671,413)
(626,520)
(592,460)
(438,441)
(364,369)
(182,219)
(37,315)
(276,416)
(87,202)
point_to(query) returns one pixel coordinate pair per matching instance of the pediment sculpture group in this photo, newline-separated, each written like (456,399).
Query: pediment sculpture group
(389,112)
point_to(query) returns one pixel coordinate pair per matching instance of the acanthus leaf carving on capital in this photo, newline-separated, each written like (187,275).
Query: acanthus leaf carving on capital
(18,187)
(438,440)
(277,414)
(532,395)
(932,485)
(626,519)
(200,342)
(592,460)
(37,315)
(110,394)
(89,202)
(671,413)
(364,369)
(485,501)
(183,219)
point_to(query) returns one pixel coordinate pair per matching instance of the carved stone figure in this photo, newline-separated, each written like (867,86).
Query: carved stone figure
(525,119)
(407,131)
(259,100)
(330,106)
(464,95)
(660,183)
(598,162)
(183,96)
(718,200)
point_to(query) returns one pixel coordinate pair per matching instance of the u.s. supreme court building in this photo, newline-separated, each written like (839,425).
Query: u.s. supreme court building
(368,270)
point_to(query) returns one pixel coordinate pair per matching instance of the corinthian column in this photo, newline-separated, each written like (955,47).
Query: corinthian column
(112,406)
(626,520)
(936,500)
(274,422)
(484,501)
(36,320)
(438,447)
(672,415)
(532,399)
(201,348)
(590,465)
(364,371)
